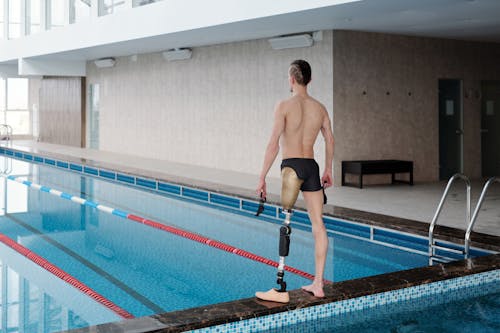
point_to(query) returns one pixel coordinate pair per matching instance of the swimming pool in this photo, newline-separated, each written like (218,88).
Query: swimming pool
(107,253)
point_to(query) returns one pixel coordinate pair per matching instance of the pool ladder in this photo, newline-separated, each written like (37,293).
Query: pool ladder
(470,221)
(5,132)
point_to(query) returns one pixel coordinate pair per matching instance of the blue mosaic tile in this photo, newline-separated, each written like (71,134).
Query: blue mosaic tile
(76,167)
(169,188)
(252,207)
(28,157)
(124,178)
(2,151)
(195,194)
(225,201)
(107,174)
(145,183)
(9,152)
(347,228)
(38,159)
(49,161)
(61,164)
(397,238)
(314,313)
(18,154)
(91,171)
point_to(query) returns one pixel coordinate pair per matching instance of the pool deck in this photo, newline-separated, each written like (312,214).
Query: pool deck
(399,207)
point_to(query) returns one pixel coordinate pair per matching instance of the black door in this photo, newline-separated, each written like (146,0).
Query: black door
(450,128)
(490,128)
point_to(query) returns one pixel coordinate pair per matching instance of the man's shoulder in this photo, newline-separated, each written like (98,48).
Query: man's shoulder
(318,103)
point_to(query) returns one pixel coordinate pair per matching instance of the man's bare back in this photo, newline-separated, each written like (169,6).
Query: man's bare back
(304,118)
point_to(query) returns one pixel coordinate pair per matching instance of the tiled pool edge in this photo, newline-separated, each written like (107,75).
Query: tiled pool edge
(477,270)
(301,315)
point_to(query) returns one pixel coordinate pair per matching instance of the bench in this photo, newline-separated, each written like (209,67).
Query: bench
(372,167)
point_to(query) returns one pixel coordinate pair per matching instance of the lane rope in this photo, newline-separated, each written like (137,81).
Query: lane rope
(53,269)
(157,225)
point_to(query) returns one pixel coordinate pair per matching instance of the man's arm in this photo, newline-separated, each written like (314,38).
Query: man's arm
(326,130)
(273,147)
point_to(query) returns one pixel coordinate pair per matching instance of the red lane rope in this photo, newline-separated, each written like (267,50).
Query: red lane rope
(216,244)
(64,276)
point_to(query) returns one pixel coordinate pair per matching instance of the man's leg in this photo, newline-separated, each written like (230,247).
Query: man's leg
(314,202)
(290,188)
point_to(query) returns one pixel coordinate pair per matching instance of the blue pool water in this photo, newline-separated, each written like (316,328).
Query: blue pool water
(141,269)
(449,313)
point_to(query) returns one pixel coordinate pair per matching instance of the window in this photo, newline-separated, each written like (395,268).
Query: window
(14,19)
(57,13)
(33,15)
(79,9)
(1,21)
(111,6)
(137,3)
(14,105)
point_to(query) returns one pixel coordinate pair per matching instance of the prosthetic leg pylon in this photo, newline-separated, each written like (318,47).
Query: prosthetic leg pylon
(289,192)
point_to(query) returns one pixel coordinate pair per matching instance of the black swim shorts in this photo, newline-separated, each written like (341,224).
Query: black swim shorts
(306,169)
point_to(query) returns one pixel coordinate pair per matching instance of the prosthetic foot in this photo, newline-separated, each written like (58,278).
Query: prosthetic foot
(289,192)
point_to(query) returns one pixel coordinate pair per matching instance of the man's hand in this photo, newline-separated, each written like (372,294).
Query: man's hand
(327,179)
(261,188)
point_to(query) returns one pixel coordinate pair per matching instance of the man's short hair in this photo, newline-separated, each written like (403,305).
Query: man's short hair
(300,70)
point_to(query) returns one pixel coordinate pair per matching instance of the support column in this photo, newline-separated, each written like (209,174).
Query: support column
(45,19)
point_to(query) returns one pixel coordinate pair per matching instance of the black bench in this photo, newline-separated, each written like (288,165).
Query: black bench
(376,167)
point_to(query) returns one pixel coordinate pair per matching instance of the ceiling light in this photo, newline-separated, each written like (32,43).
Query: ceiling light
(177,54)
(293,41)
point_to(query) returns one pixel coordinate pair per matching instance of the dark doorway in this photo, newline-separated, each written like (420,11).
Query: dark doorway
(490,128)
(450,128)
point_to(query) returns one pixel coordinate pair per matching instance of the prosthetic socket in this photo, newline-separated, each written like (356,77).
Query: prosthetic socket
(289,192)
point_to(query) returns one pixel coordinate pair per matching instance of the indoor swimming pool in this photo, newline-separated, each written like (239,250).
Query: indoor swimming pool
(82,247)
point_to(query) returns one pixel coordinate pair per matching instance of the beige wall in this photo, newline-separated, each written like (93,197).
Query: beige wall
(60,110)
(377,125)
(214,110)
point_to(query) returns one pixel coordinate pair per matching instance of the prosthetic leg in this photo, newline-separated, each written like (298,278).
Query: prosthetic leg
(290,188)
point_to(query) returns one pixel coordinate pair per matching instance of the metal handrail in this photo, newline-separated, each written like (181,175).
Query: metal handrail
(476,212)
(7,166)
(440,207)
(8,131)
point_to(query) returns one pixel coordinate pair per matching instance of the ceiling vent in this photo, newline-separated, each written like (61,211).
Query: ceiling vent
(290,42)
(177,54)
(105,62)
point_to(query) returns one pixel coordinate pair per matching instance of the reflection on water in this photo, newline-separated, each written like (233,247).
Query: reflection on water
(27,308)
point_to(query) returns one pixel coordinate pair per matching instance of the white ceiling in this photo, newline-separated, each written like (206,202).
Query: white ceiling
(477,20)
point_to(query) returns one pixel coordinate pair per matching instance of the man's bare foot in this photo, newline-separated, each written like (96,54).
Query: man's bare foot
(315,289)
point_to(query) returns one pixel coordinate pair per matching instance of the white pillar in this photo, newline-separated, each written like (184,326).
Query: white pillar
(66,12)
(46,14)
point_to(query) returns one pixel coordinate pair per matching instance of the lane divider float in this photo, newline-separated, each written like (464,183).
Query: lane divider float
(157,225)
(45,264)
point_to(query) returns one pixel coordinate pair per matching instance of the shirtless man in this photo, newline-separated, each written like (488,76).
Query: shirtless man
(298,120)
